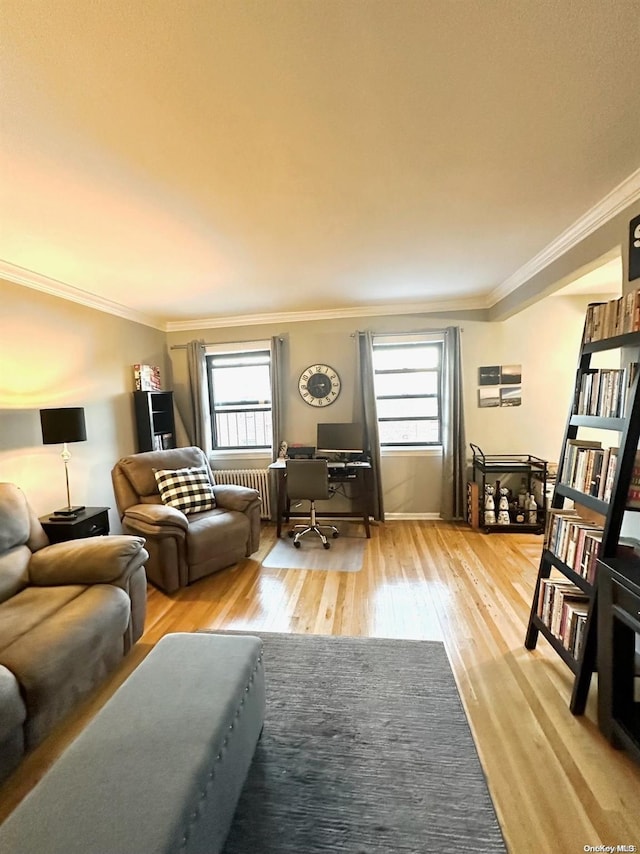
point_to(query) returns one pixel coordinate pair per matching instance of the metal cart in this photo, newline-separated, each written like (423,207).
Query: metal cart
(494,470)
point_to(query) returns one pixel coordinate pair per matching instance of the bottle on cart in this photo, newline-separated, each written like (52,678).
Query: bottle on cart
(489,505)
(532,511)
(503,507)
(523,494)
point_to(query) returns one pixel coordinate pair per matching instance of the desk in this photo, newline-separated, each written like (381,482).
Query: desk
(358,474)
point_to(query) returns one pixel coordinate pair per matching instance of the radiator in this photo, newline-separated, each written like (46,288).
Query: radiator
(254,478)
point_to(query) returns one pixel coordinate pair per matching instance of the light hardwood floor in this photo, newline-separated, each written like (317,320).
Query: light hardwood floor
(557,784)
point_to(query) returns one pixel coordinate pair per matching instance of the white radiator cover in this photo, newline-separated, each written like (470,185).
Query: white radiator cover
(253,478)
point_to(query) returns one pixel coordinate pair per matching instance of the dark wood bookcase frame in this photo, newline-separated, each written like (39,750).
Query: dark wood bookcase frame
(155,421)
(612,513)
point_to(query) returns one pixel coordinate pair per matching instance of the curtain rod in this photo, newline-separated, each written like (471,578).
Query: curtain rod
(217,343)
(405,332)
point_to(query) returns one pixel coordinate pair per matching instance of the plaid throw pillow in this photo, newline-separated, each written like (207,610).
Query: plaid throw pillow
(189,490)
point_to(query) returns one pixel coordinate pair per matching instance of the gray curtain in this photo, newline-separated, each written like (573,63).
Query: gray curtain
(200,434)
(454,462)
(277,394)
(278,398)
(370,419)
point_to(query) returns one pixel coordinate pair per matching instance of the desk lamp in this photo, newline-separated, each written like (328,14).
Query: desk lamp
(60,426)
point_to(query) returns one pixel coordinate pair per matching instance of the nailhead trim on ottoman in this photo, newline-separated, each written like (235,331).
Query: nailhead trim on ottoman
(161,766)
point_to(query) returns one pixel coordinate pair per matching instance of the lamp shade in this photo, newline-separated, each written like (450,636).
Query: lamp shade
(63,425)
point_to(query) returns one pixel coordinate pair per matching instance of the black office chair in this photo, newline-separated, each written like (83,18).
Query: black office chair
(309,480)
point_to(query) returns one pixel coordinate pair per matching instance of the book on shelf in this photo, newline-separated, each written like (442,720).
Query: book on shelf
(561,606)
(601,484)
(575,625)
(589,565)
(610,477)
(596,484)
(616,317)
(631,312)
(554,520)
(604,391)
(572,456)
(633,495)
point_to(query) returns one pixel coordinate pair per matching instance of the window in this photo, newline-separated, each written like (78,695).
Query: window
(240,398)
(408,386)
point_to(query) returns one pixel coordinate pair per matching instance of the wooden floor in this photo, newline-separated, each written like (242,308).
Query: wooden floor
(557,784)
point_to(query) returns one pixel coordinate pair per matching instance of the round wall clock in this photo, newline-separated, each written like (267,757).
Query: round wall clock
(319,385)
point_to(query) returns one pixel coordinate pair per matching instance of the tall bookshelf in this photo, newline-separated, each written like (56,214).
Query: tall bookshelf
(155,421)
(593,484)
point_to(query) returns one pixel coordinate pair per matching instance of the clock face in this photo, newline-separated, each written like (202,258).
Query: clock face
(319,385)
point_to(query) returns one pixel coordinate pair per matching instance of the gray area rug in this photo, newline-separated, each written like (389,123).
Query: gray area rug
(345,555)
(366,749)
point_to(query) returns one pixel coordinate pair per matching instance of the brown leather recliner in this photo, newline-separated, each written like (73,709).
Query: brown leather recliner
(183,548)
(69,612)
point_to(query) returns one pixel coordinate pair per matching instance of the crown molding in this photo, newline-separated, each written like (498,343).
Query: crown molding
(30,279)
(470,304)
(627,192)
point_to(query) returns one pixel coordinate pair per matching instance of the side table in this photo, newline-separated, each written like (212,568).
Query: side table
(618,642)
(90,522)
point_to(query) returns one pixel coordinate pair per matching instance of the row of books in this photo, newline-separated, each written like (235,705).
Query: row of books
(162,441)
(604,391)
(576,541)
(563,607)
(616,317)
(589,468)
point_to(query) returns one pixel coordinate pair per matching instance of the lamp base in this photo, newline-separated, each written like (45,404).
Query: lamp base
(68,511)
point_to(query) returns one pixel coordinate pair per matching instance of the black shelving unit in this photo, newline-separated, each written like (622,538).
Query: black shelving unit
(618,659)
(155,420)
(492,469)
(625,432)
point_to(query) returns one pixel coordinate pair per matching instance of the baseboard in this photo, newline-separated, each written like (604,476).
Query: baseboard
(397,517)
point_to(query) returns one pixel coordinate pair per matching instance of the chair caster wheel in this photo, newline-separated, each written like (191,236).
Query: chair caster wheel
(335,535)
(297,545)
(326,545)
(290,534)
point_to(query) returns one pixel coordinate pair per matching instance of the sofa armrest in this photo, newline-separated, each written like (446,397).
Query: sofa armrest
(232,497)
(148,517)
(93,560)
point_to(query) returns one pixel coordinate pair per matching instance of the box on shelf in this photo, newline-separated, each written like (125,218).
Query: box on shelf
(147,378)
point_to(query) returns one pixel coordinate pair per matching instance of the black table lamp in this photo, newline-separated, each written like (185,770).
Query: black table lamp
(60,426)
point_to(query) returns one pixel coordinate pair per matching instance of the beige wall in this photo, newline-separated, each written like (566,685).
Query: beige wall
(56,353)
(544,339)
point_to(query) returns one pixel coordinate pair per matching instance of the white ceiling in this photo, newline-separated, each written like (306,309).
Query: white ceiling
(221,158)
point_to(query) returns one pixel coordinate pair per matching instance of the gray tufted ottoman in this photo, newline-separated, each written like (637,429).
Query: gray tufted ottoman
(161,766)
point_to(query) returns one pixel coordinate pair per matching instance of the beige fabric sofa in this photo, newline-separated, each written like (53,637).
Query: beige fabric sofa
(183,548)
(68,614)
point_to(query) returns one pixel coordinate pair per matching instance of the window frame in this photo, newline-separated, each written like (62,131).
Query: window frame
(228,352)
(406,341)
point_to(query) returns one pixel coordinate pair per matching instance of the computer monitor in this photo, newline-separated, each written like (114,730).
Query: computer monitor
(341,439)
